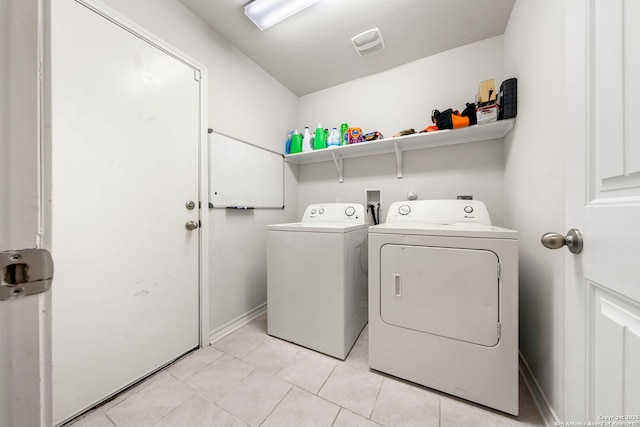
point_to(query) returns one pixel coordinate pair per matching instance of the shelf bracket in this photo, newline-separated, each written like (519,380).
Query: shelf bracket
(398,158)
(339,166)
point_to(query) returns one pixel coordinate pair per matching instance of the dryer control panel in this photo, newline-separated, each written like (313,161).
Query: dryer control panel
(352,213)
(438,212)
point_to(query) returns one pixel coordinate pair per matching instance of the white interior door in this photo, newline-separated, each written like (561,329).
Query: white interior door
(125,161)
(603,286)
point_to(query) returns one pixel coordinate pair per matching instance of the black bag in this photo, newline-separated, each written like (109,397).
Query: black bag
(442,119)
(449,119)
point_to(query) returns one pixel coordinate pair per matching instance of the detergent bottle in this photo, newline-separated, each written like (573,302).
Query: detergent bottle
(320,140)
(296,143)
(334,138)
(306,140)
(344,134)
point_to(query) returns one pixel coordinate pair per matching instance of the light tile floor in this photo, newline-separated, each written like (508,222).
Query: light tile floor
(251,379)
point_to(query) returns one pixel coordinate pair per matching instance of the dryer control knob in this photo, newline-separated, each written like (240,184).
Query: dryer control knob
(468,209)
(313,211)
(349,211)
(321,211)
(404,210)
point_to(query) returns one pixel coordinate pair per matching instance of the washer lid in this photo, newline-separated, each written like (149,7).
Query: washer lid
(449,230)
(316,227)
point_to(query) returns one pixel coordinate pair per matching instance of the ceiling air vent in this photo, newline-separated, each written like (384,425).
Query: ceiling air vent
(368,42)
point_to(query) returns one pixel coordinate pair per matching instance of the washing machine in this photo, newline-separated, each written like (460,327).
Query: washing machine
(317,291)
(443,300)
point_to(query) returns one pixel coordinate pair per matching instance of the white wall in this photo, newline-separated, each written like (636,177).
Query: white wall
(534,184)
(245,102)
(401,98)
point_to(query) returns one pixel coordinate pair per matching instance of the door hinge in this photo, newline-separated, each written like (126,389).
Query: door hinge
(499,330)
(499,271)
(197,76)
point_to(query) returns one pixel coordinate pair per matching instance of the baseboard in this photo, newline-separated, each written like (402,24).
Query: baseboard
(549,417)
(227,328)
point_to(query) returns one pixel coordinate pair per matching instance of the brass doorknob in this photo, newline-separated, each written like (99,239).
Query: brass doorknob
(573,240)
(191,225)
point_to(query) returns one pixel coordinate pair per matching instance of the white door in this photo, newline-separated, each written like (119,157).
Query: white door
(125,141)
(457,299)
(25,336)
(603,283)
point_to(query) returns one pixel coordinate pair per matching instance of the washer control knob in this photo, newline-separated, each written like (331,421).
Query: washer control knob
(321,211)
(468,209)
(404,210)
(313,211)
(349,211)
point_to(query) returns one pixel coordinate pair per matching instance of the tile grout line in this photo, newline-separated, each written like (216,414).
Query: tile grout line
(199,370)
(337,415)
(276,405)
(215,404)
(174,408)
(108,418)
(375,402)
(325,382)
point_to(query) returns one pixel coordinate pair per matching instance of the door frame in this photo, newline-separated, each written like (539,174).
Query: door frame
(25,362)
(199,71)
(579,90)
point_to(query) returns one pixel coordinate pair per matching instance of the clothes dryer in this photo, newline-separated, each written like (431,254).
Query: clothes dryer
(317,278)
(443,300)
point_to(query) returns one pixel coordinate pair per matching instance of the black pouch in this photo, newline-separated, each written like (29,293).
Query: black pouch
(442,119)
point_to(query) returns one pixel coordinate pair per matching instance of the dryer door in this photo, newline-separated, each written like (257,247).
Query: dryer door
(448,292)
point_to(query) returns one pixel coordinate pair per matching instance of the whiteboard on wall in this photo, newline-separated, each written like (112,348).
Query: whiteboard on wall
(243,175)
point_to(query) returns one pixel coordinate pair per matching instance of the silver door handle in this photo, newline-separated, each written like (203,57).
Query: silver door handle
(573,240)
(191,225)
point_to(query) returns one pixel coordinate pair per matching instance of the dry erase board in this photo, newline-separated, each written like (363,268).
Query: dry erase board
(243,175)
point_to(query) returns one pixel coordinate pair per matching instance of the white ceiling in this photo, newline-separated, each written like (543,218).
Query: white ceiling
(312,50)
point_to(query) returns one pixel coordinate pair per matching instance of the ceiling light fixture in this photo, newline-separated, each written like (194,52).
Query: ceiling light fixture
(265,13)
